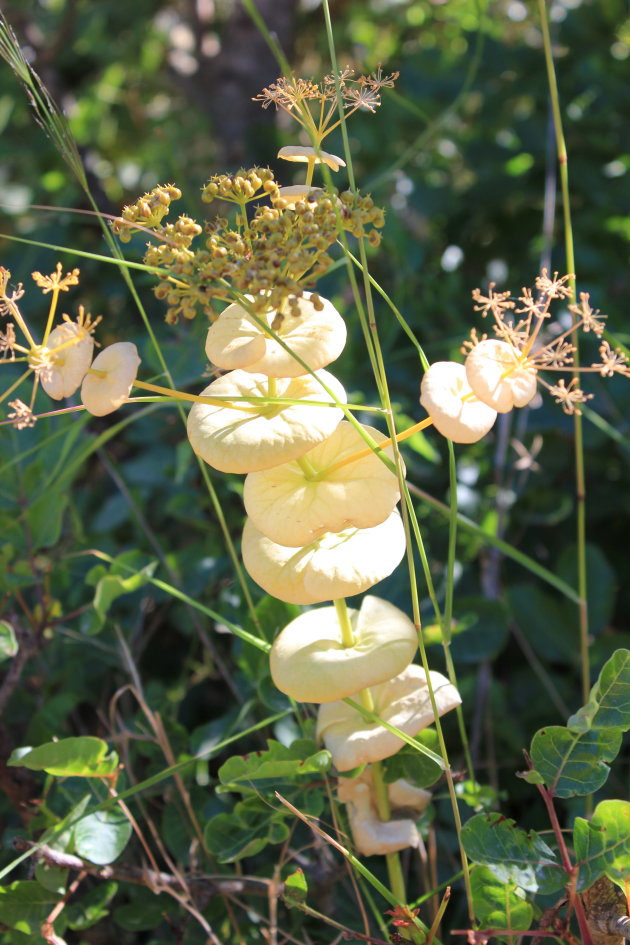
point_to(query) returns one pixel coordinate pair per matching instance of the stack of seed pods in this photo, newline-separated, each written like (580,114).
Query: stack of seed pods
(322,525)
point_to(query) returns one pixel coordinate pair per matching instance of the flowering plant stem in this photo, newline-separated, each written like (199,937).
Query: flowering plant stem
(563,164)
(407,509)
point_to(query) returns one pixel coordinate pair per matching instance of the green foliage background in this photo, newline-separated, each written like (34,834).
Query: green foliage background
(460,155)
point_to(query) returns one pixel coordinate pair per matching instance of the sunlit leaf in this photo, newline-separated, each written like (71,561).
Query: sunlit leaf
(602,845)
(511,854)
(609,700)
(84,756)
(571,764)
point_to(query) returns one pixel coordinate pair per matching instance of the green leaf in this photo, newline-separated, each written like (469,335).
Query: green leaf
(52,878)
(602,845)
(512,855)
(44,517)
(498,904)
(602,583)
(24,905)
(295,889)
(91,908)
(573,765)
(8,641)
(481,629)
(277,763)
(543,619)
(413,766)
(246,831)
(145,912)
(114,585)
(609,701)
(84,757)
(478,796)
(101,837)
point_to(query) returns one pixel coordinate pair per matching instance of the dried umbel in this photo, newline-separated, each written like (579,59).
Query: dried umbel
(271,253)
(310,661)
(61,360)
(499,376)
(70,350)
(503,372)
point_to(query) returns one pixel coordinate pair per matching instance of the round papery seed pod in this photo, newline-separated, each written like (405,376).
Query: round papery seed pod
(119,364)
(301,153)
(310,663)
(293,506)
(400,793)
(372,835)
(449,400)
(69,365)
(296,193)
(241,441)
(497,375)
(317,336)
(336,565)
(403,702)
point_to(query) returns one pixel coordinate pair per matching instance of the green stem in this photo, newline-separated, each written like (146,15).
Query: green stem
(15,385)
(272,387)
(394,868)
(448,603)
(381,379)
(309,171)
(310,472)
(343,617)
(580,477)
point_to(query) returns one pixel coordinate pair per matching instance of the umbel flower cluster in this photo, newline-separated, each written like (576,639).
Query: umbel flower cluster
(503,372)
(64,359)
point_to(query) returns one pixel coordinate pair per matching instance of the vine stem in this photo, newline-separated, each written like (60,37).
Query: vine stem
(580,478)
(567,865)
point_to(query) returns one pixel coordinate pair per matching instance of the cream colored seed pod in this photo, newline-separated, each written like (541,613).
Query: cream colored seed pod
(401,794)
(295,152)
(316,335)
(295,193)
(402,702)
(455,410)
(69,365)
(119,366)
(498,376)
(372,835)
(240,441)
(310,662)
(336,565)
(293,507)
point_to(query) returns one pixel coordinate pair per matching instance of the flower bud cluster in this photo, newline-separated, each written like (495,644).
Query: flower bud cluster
(274,254)
(62,362)
(503,372)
